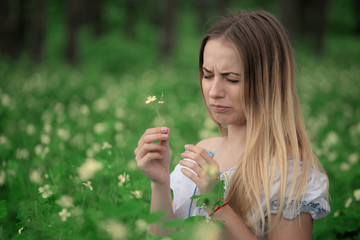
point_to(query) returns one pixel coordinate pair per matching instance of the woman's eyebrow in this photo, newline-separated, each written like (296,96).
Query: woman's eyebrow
(224,74)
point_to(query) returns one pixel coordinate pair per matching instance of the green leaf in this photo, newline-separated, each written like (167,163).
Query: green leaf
(175,223)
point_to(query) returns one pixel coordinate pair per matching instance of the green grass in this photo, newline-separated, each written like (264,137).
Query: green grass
(54,117)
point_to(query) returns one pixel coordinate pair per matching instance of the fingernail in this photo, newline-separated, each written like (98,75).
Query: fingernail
(164,129)
(187,145)
(164,135)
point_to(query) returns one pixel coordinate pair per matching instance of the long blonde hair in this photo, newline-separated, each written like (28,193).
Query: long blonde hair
(274,122)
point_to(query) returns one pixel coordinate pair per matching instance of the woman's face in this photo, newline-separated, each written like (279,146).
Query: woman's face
(222,82)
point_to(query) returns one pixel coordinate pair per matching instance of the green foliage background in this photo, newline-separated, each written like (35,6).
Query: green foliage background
(103,100)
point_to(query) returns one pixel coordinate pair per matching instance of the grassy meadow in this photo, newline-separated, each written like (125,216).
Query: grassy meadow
(67,135)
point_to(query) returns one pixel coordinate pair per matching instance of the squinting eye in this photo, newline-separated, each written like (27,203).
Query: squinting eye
(233,81)
(207,77)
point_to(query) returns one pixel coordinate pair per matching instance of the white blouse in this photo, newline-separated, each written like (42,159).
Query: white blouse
(313,201)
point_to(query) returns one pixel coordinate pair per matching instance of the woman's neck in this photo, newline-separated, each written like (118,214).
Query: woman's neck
(236,138)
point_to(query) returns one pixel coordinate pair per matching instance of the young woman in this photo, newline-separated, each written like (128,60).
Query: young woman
(275,185)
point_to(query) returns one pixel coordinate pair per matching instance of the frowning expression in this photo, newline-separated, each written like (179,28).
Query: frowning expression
(222,82)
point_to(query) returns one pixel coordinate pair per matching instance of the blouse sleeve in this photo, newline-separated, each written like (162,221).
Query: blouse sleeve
(182,188)
(314,200)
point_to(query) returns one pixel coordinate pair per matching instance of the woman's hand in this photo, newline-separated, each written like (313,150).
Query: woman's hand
(152,158)
(206,168)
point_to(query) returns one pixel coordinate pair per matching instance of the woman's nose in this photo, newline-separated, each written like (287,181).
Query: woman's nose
(217,88)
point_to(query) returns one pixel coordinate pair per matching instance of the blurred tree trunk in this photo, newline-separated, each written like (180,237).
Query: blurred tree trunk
(79,13)
(357,16)
(37,29)
(168,28)
(74,21)
(12,27)
(306,17)
(202,7)
(130,18)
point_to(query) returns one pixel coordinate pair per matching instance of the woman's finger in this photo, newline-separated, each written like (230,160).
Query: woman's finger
(195,157)
(193,166)
(201,152)
(149,147)
(193,177)
(154,134)
(150,156)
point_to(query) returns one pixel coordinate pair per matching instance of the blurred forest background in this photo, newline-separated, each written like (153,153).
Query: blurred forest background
(32,27)
(74,79)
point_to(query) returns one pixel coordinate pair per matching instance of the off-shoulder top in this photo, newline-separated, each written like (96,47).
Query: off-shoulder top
(314,200)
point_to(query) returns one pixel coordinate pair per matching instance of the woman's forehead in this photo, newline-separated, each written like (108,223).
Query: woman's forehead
(221,54)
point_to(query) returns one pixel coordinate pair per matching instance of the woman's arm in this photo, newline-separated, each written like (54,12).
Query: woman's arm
(161,201)
(153,160)
(235,229)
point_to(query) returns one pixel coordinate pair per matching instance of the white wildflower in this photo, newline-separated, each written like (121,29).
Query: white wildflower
(35,176)
(45,191)
(137,194)
(123,178)
(345,166)
(65,201)
(119,126)
(336,213)
(119,113)
(150,99)
(47,128)
(5,100)
(84,110)
(88,184)
(115,229)
(64,214)
(3,140)
(2,177)
(132,165)
(30,129)
(331,139)
(89,168)
(348,202)
(106,145)
(20,230)
(99,128)
(357,194)
(38,149)
(141,225)
(64,134)
(353,158)
(101,104)
(45,139)
(22,153)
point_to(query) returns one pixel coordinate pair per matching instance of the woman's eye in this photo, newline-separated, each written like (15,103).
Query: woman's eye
(207,77)
(233,81)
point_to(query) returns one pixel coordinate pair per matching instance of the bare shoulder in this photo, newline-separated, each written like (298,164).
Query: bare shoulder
(210,143)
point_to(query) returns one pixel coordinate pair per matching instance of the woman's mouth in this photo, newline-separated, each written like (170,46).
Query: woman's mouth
(219,108)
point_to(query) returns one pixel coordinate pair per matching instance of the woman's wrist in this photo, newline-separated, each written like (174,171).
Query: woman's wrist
(156,186)
(218,208)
